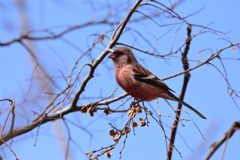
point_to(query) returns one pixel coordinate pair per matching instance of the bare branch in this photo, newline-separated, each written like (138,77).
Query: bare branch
(181,97)
(226,136)
(52,117)
(213,56)
(5,122)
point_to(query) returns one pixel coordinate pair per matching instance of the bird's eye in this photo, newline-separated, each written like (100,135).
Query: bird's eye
(120,53)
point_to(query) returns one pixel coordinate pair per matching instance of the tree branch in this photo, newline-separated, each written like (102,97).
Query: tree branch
(52,117)
(185,83)
(226,136)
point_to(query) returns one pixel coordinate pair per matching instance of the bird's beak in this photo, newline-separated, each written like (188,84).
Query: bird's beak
(112,56)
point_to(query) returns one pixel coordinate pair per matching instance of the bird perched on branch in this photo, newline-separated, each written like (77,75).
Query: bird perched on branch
(138,81)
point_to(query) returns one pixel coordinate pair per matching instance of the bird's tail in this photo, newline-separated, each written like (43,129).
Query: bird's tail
(187,105)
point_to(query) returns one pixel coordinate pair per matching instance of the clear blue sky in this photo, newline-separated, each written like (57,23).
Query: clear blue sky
(206,91)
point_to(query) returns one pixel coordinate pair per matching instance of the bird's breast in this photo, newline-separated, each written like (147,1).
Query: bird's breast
(125,79)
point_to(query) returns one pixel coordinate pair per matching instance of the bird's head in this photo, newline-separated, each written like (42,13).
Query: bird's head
(122,56)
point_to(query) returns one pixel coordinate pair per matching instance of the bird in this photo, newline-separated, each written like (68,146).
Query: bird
(139,82)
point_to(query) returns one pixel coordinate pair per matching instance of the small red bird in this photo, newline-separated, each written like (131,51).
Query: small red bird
(138,81)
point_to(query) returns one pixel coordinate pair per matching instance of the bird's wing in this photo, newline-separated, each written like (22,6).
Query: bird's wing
(143,75)
(151,79)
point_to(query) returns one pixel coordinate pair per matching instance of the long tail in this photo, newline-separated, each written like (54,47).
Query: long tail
(187,105)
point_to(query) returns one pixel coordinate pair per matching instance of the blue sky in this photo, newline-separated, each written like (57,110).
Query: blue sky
(206,91)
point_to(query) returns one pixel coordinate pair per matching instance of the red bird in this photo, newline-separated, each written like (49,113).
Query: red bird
(138,81)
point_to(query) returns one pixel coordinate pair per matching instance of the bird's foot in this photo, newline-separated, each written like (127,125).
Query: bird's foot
(135,103)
